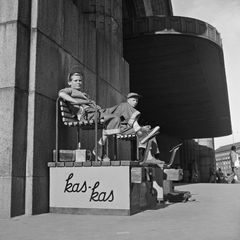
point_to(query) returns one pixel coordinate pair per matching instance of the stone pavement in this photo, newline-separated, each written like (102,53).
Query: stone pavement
(214,215)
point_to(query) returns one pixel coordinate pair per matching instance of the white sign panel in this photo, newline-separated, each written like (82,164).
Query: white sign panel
(90,187)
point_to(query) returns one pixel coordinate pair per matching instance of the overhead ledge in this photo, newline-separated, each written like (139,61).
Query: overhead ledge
(177,64)
(170,25)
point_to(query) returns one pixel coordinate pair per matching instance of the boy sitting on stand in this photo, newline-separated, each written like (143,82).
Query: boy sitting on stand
(81,105)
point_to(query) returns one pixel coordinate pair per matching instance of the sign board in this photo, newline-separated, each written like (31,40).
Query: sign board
(90,187)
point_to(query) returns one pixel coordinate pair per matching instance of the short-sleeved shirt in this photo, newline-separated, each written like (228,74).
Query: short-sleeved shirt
(78,95)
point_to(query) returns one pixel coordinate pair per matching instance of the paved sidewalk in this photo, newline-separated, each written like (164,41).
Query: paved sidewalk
(214,215)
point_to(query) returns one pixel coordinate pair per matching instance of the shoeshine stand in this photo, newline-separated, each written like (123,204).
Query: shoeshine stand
(108,188)
(120,188)
(80,186)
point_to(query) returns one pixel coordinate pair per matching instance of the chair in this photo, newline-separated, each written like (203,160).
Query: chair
(70,120)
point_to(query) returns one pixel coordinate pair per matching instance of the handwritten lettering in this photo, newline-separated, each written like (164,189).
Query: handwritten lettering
(76,187)
(96,195)
(102,196)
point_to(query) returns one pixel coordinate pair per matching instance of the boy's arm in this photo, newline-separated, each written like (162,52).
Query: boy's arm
(72,100)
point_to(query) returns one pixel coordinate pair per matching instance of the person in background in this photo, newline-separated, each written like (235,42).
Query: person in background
(212,175)
(235,165)
(234,162)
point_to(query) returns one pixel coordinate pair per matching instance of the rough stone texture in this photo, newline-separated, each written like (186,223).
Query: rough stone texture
(71,28)
(22,58)
(50,67)
(44,130)
(89,32)
(6,138)
(6,129)
(8,45)
(24,11)
(18,196)
(13,148)
(50,19)
(14,55)
(19,134)
(5,196)
(15,10)
(124,77)
(9,10)
(40,194)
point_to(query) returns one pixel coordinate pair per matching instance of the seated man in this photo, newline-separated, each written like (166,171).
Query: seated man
(129,125)
(80,102)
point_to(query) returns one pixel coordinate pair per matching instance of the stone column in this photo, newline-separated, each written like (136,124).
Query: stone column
(14,59)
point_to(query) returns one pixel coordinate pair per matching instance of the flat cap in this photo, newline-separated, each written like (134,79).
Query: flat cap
(133,95)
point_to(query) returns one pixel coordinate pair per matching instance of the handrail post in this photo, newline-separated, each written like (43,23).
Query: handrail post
(56,140)
(115,147)
(78,138)
(96,133)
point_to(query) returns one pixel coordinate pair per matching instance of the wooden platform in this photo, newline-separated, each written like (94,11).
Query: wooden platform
(112,188)
(93,164)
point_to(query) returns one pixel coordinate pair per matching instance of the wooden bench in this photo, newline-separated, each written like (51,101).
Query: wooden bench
(70,120)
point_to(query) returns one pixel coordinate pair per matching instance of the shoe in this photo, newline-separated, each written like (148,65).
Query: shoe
(150,135)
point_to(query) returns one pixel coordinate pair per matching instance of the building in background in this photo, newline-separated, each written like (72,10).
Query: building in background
(222,155)
(176,63)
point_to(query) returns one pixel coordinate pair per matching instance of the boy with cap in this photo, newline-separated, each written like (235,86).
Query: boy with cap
(129,125)
(129,116)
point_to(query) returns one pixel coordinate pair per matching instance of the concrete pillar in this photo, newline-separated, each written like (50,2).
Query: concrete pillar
(206,158)
(14,59)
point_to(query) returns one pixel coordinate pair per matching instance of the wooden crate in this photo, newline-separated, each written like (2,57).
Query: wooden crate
(78,155)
